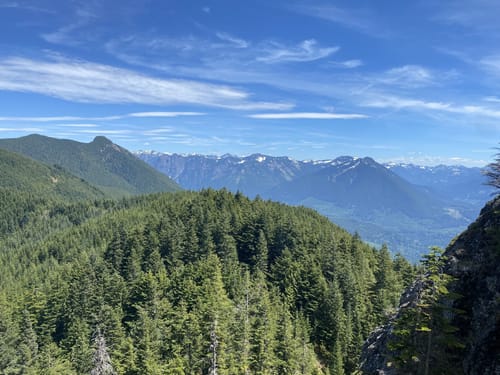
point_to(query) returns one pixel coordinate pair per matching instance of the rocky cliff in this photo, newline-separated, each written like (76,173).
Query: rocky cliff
(473,260)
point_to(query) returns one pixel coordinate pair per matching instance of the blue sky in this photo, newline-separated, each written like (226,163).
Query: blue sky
(404,81)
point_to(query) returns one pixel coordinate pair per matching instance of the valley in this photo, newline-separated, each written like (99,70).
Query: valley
(410,208)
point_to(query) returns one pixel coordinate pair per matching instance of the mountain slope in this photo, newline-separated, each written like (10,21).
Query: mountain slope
(27,186)
(23,174)
(361,184)
(455,182)
(162,276)
(102,163)
(251,175)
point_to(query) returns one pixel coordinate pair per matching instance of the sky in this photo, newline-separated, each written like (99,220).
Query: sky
(404,81)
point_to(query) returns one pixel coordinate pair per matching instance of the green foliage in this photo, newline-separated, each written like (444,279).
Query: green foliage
(138,286)
(424,337)
(108,167)
(493,173)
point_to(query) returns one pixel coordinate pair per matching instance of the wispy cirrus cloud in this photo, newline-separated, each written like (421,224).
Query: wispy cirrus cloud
(361,20)
(480,16)
(77,126)
(308,50)
(86,82)
(65,35)
(235,41)
(308,115)
(100,118)
(24,6)
(491,64)
(24,130)
(162,114)
(105,131)
(394,102)
(207,50)
(492,99)
(411,76)
(348,64)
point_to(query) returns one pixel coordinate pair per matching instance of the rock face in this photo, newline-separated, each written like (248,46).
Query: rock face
(474,260)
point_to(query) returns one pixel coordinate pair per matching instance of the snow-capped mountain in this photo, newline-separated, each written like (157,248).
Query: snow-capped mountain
(408,206)
(456,182)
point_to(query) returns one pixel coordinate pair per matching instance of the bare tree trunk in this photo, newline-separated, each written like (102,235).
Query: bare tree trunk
(428,353)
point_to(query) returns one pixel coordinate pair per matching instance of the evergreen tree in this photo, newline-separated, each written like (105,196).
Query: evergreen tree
(493,173)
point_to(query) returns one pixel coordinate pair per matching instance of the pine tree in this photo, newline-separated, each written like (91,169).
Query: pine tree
(493,173)
(28,346)
(424,332)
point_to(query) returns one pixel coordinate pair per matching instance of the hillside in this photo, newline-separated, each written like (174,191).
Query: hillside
(27,185)
(148,284)
(457,301)
(102,163)
(23,174)
(360,195)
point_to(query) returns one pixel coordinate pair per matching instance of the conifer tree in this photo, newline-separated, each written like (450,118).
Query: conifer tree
(493,173)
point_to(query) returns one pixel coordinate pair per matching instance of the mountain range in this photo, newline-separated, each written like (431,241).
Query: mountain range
(408,207)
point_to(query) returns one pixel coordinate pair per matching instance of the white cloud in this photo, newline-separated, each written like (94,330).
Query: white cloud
(159,131)
(102,118)
(408,76)
(348,64)
(77,125)
(65,34)
(103,131)
(26,130)
(308,115)
(163,114)
(308,50)
(361,20)
(492,99)
(86,82)
(491,64)
(236,42)
(395,102)
(481,16)
(42,119)
(381,101)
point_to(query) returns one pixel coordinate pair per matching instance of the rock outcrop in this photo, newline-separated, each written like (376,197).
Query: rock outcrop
(473,259)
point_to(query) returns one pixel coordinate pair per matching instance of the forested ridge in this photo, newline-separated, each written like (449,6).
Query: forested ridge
(158,284)
(107,166)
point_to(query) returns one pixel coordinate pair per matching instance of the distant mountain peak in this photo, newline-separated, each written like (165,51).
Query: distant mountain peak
(104,164)
(100,139)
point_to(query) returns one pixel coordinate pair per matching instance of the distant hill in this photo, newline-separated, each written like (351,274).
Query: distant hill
(102,163)
(361,195)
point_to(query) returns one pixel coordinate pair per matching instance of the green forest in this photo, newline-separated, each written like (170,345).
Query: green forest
(185,283)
